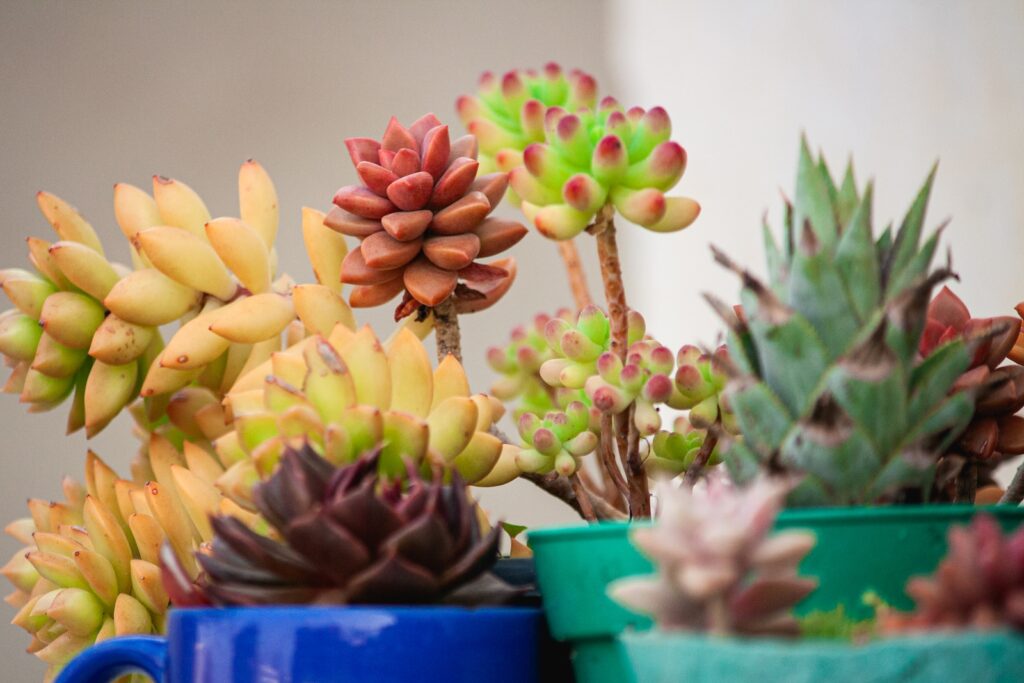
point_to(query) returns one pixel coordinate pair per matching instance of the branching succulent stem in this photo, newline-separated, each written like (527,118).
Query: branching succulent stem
(1015,491)
(608,465)
(603,230)
(577,277)
(560,488)
(696,468)
(446,330)
(586,509)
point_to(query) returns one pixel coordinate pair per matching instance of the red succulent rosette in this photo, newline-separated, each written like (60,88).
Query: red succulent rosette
(422,216)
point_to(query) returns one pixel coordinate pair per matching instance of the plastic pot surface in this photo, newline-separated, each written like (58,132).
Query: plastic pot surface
(325,645)
(968,657)
(858,549)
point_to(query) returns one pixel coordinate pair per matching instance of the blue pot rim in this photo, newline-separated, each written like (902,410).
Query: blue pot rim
(832,516)
(437,611)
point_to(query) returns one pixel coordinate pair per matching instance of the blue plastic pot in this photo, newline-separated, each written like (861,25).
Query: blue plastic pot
(970,657)
(325,645)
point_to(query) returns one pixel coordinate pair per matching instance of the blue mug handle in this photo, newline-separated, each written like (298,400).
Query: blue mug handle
(116,657)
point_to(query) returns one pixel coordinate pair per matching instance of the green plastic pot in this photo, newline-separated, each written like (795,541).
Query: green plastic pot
(969,657)
(858,549)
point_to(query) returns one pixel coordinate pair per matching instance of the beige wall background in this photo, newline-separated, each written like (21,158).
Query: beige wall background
(100,92)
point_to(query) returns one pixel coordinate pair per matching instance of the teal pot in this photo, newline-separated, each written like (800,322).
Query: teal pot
(967,657)
(858,549)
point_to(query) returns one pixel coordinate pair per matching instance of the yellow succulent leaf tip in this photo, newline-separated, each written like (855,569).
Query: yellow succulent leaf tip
(257,201)
(325,247)
(412,379)
(179,205)
(321,309)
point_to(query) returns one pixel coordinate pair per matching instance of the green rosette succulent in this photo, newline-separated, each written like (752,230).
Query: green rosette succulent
(672,452)
(557,441)
(507,113)
(590,158)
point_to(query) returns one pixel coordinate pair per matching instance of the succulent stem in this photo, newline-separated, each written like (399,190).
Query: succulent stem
(967,482)
(614,480)
(696,468)
(446,330)
(611,275)
(603,229)
(1015,491)
(586,509)
(577,277)
(563,490)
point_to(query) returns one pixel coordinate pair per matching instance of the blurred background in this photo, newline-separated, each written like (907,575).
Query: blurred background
(100,92)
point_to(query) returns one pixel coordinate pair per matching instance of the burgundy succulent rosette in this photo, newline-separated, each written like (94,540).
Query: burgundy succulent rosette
(422,216)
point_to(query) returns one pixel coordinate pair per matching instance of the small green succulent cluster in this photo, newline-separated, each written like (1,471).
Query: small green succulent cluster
(699,382)
(519,363)
(577,346)
(557,441)
(672,452)
(508,112)
(642,381)
(593,157)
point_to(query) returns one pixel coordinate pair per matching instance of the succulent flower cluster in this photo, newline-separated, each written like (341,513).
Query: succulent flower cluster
(423,544)
(720,570)
(345,395)
(90,569)
(979,584)
(829,381)
(995,432)
(594,157)
(508,112)
(421,213)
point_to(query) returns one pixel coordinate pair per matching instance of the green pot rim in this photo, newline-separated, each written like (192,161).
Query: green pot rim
(818,516)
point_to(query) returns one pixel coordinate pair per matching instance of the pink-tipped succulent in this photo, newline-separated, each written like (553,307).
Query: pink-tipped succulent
(507,112)
(583,359)
(557,441)
(422,215)
(720,570)
(979,584)
(699,384)
(591,158)
(519,363)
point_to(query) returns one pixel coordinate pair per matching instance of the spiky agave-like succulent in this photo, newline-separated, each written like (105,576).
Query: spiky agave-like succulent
(421,213)
(591,158)
(979,584)
(90,568)
(346,395)
(996,432)
(342,536)
(829,384)
(508,112)
(720,570)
